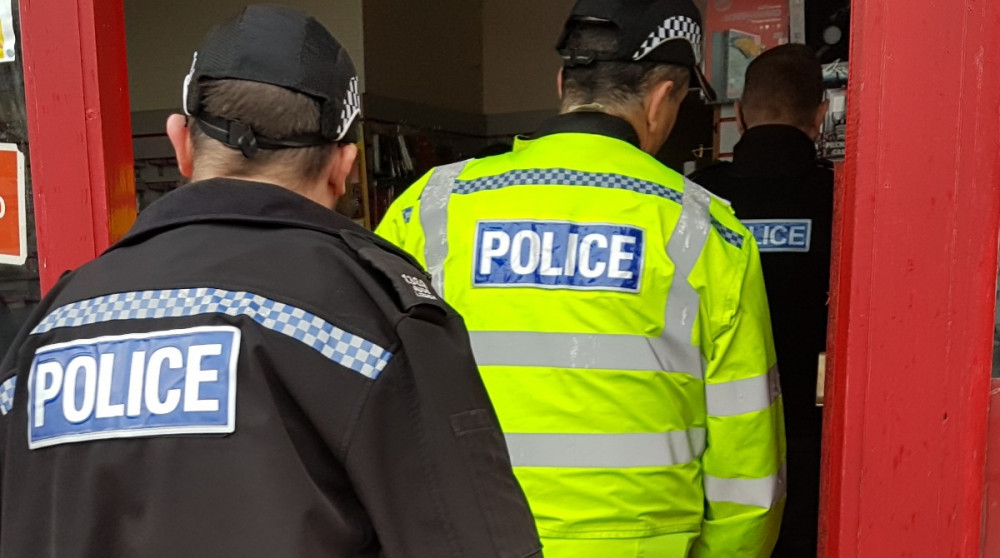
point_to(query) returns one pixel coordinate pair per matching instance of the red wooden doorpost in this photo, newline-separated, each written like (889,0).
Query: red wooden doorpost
(911,323)
(79,129)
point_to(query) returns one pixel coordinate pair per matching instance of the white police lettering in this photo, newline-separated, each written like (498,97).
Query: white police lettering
(174,359)
(420,287)
(79,411)
(547,268)
(106,409)
(558,255)
(619,256)
(525,252)
(781,235)
(586,247)
(155,384)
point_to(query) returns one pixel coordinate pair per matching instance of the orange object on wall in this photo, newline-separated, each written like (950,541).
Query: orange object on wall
(13,234)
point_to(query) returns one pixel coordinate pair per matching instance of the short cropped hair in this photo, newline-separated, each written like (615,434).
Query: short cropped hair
(273,112)
(618,84)
(783,85)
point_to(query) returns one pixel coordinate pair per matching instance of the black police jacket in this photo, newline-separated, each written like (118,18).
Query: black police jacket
(249,374)
(784,193)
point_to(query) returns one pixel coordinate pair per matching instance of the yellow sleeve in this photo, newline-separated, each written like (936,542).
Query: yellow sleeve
(744,461)
(401,224)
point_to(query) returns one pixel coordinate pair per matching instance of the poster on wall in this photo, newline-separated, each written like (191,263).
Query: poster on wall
(833,137)
(739,31)
(7,38)
(13,224)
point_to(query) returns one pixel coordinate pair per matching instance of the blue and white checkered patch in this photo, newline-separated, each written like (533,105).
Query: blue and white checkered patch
(407,214)
(7,395)
(342,347)
(566,177)
(729,235)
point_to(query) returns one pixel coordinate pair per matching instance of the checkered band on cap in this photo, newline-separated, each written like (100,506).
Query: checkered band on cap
(7,395)
(676,27)
(351,108)
(342,347)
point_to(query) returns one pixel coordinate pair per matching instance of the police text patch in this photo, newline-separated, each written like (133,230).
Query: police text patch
(781,235)
(151,384)
(558,255)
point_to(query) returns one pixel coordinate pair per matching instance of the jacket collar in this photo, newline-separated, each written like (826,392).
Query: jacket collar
(222,200)
(774,150)
(597,123)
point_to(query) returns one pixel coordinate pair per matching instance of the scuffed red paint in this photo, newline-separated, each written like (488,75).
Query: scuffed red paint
(918,215)
(79,125)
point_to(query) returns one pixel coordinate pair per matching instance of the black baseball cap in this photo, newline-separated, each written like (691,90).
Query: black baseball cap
(667,31)
(280,46)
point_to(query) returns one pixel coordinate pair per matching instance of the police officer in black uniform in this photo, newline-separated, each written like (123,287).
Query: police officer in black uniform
(247,373)
(784,194)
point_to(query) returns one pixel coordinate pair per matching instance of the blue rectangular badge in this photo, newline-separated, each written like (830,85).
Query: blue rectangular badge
(151,384)
(781,235)
(558,255)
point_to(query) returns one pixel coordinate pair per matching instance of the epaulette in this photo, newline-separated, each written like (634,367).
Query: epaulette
(408,284)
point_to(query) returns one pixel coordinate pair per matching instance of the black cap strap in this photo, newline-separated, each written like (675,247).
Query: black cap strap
(238,135)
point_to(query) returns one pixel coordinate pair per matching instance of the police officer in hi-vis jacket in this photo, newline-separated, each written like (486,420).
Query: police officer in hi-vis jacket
(617,311)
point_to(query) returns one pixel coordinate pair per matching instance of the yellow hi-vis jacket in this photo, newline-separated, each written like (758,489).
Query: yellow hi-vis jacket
(619,319)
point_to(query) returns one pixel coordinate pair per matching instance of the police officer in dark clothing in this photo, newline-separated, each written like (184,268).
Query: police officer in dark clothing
(784,194)
(248,374)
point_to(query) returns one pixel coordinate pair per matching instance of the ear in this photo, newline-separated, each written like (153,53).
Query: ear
(559,83)
(740,121)
(821,116)
(180,138)
(656,103)
(341,162)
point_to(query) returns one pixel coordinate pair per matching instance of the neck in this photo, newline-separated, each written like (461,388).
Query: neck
(310,190)
(810,131)
(638,123)
(636,119)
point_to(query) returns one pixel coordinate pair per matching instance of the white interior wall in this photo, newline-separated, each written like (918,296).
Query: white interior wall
(426,53)
(519,58)
(488,57)
(162,35)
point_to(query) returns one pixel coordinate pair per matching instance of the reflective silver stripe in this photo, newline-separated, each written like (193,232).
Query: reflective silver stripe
(743,396)
(675,347)
(565,350)
(612,451)
(762,493)
(434,219)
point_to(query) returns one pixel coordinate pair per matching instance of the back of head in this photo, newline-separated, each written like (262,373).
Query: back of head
(611,84)
(784,85)
(270,93)
(614,50)
(270,111)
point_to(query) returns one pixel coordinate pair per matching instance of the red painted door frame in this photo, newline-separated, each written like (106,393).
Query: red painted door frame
(915,273)
(79,129)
